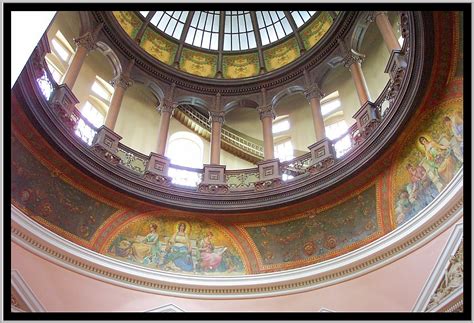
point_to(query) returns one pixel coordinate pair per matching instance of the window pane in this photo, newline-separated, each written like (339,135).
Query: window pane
(206,39)
(242,26)
(272,34)
(144,13)
(260,19)
(235,42)
(227,45)
(252,42)
(243,42)
(297,19)
(202,21)
(190,35)
(156,17)
(178,31)
(330,106)
(281,126)
(215,26)
(248,21)
(279,30)
(163,22)
(169,30)
(198,38)
(99,89)
(215,41)
(227,24)
(61,50)
(264,36)
(286,26)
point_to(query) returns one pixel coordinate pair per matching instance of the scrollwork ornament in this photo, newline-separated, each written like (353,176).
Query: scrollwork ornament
(122,81)
(266,111)
(350,59)
(87,41)
(216,117)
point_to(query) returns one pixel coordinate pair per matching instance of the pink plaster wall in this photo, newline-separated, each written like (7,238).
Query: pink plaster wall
(394,287)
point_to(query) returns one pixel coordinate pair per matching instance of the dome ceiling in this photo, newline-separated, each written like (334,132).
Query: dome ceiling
(226,44)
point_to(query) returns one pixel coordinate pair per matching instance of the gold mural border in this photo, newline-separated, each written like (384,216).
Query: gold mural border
(311,260)
(177,216)
(455,48)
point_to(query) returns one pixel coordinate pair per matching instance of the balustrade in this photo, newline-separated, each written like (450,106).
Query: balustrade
(237,180)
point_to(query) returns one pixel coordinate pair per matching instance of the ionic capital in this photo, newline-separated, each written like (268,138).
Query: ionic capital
(266,111)
(122,81)
(87,41)
(216,116)
(167,106)
(313,91)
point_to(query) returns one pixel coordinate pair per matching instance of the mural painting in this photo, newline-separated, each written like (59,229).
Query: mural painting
(128,21)
(45,194)
(430,160)
(197,63)
(158,47)
(177,245)
(281,55)
(317,234)
(313,33)
(239,66)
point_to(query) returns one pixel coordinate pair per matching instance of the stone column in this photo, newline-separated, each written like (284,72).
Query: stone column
(217,120)
(385,28)
(84,44)
(267,114)
(314,95)
(166,109)
(120,84)
(353,62)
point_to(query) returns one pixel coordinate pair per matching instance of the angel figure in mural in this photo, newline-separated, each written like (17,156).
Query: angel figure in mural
(210,257)
(440,161)
(455,127)
(146,249)
(178,250)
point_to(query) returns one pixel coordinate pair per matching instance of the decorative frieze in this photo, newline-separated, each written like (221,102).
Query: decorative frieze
(105,145)
(266,111)
(404,24)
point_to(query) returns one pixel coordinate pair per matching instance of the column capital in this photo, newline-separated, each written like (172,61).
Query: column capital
(351,58)
(167,106)
(123,81)
(373,14)
(217,116)
(87,41)
(266,111)
(313,91)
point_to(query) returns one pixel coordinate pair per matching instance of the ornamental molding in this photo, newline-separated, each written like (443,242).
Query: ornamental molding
(87,41)
(313,91)
(445,210)
(217,116)
(167,106)
(266,111)
(26,294)
(123,81)
(343,24)
(352,58)
(443,284)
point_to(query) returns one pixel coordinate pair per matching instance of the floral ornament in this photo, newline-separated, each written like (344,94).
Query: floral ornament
(45,209)
(331,242)
(27,195)
(309,248)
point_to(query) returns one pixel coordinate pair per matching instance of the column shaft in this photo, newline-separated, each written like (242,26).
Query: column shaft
(75,67)
(216,142)
(318,120)
(268,152)
(385,27)
(114,107)
(359,82)
(163,131)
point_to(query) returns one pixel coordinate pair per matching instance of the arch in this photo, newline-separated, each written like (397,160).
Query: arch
(244,103)
(108,52)
(200,104)
(185,142)
(286,92)
(359,31)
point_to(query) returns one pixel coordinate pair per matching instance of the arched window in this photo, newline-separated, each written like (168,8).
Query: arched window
(185,149)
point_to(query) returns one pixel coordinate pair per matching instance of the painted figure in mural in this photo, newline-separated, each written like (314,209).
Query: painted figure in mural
(146,249)
(455,128)
(421,189)
(210,258)
(440,161)
(178,250)
(403,209)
